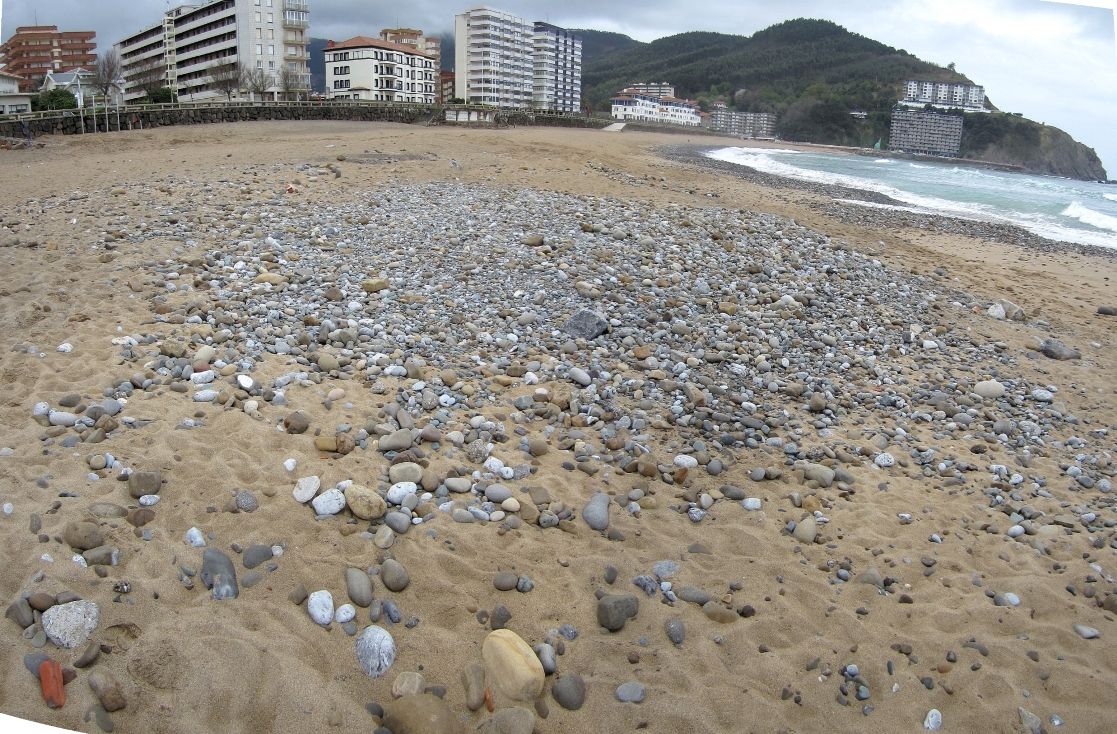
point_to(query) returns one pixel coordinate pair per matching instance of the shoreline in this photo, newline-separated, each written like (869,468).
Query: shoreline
(1005,233)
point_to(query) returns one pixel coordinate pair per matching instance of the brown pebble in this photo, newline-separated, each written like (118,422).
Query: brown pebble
(634,657)
(945,667)
(764,648)
(298,595)
(541,708)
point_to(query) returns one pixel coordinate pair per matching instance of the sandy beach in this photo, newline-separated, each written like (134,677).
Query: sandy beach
(94,226)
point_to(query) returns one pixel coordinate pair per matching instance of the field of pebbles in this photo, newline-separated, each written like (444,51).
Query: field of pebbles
(299,440)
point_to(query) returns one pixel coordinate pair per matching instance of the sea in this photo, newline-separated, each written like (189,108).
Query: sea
(1056,208)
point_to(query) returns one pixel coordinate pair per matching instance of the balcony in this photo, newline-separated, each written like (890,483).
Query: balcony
(293,19)
(297,5)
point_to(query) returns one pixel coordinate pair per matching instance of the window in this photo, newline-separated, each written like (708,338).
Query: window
(271,50)
(271,65)
(271,33)
(259,49)
(259,33)
(257,17)
(259,64)
(271,17)
(341,84)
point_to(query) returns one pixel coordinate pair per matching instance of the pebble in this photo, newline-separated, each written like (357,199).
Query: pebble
(107,690)
(513,720)
(306,488)
(330,502)
(376,651)
(511,665)
(394,576)
(569,691)
(219,574)
(614,611)
(933,720)
(1086,633)
(676,632)
(358,585)
(254,555)
(631,692)
(320,607)
(69,625)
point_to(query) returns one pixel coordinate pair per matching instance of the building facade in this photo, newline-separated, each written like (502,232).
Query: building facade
(743,124)
(80,83)
(13,101)
(633,106)
(969,97)
(493,58)
(557,69)
(182,50)
(926,133)
(372,69)
(653,89)
(410,37)
(446,79)
(34,50)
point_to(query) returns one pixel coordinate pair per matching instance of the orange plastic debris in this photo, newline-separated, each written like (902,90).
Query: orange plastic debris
(489,700)
(54,688)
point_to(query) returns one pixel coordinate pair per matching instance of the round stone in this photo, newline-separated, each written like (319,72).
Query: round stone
(399,491)
(320,607)
(376,651)
(884,460)
(330,502)
(246,501)
(631,692)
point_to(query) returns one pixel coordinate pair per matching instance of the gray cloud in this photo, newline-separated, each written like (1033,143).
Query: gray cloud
(1053,62)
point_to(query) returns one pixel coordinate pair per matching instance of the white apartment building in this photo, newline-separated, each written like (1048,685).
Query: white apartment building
(493,57)
(970,97)
(269,35)
(633,106)
(372,69)
(557,64)
(654,89)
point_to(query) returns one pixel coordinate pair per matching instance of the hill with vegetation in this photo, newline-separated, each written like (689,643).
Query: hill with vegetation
(811,74)
(598,44)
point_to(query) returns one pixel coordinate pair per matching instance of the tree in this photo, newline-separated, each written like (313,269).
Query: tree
(289,82)
(148,77)
(163,95)
(106,73)
(55,99)
(227,78)
(258,81)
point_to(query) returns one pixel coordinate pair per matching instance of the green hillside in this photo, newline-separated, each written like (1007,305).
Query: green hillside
(811,74)
(598,44)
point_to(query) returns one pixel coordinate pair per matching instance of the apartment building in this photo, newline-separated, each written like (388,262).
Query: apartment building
(34,50)
(377,70)
(653,89)
(13,101)
(493,57)
(969,97)
(557,69)
(633,106)
(505,61)
(182,49)
(743,124)
(927,133)
(410,37)
(446,79)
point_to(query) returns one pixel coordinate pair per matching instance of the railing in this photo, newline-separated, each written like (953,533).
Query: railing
(296,5)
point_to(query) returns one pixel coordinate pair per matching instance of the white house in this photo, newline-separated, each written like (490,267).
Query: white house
(381,71)
(79,83)
(11,100)
(633,106)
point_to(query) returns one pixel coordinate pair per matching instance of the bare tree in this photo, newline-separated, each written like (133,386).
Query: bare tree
(227,78)
(288,82)
(107,73)
(148,77)
(258,81)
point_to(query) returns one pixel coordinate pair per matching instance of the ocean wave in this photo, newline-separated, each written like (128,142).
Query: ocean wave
(916,165)
(882,160)
(1075,224)
(1091,217)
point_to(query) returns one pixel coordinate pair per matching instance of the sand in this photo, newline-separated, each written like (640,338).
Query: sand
(256,664)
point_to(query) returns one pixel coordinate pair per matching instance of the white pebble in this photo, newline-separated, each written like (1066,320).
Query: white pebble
(194,537)
(1012,599)
(65,348)
(1016,531)
(320,607)
(751,503)
(345,613)
(884,460)
(149,500)
(290,464)
(685,462)
(933,722)
(9,508)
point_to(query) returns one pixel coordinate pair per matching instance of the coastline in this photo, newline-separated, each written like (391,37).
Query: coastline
(1009,234)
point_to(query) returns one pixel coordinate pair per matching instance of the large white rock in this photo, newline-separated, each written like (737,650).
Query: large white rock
(330,502)
(989,389)
(376,651)
(69,625)
(320,607)
(398,492)
(306,488)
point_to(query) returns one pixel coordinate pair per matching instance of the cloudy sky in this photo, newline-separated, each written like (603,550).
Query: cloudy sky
(1054,62)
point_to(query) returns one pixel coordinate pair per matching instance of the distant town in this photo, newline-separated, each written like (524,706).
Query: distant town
(258,50)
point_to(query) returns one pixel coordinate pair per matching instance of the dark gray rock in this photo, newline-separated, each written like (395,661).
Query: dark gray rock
(499,617)
(647,583)
(596,511)
(219,574)
(631,692)
(614,611)
(676,632)
(255,555)
(570,692)
(585,324)
(1055,349)
(359,587)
